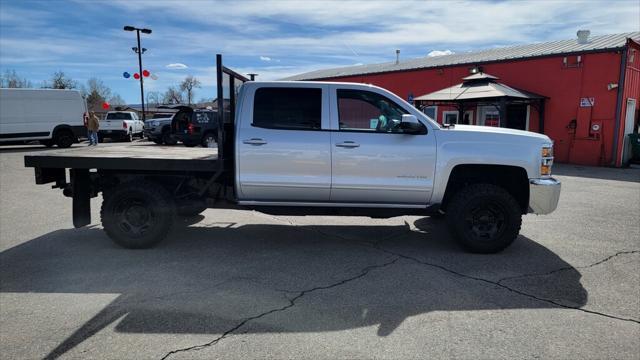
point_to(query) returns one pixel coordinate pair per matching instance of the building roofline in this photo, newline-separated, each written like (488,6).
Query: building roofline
(593,51)
(521,52)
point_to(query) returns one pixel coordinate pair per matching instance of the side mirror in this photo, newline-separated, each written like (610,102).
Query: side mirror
(411,124)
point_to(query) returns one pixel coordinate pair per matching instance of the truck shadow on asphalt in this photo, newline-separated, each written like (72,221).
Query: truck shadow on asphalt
(215,278)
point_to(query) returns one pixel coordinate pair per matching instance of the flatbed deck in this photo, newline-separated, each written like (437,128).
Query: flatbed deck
(139,156)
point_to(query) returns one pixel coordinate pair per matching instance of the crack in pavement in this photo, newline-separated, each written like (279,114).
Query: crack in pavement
(292,302)
(571,267)
(498,283)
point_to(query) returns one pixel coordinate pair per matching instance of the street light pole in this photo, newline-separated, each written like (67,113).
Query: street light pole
(144,118)
(139,50)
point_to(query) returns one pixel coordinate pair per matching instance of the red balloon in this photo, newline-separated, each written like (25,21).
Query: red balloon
(136,76)
(145,73)
(105,105)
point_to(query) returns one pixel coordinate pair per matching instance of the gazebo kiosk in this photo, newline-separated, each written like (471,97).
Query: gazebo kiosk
(495,104)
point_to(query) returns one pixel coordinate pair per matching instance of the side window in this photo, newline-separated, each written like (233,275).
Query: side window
(288,108)
(202,118)
(449,117)
(367,111)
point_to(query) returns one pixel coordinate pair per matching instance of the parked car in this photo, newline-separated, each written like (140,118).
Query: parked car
(195,127)
(302,148)
(158,129)
(121,125)
(53,117)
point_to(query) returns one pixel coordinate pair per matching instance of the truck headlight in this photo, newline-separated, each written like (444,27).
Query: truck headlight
(547,161)
(155,123)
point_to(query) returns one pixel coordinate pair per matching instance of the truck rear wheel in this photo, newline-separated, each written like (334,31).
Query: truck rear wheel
(484,218)
(137,215)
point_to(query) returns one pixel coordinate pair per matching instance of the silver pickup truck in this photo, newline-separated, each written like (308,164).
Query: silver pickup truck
(317,148)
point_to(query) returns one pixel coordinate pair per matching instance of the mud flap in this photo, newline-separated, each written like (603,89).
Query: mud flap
(81,186)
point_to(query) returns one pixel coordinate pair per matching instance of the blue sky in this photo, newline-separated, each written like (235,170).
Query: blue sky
(273,38)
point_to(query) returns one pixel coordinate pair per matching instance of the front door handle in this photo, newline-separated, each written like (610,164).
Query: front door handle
(254,141)
(348,144)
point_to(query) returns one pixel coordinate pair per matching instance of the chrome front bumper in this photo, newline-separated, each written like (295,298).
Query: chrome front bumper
(543,195)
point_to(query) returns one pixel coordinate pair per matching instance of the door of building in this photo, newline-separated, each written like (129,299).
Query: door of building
(517,116)
(629,121)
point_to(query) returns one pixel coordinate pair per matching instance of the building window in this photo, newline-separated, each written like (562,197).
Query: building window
(452,117)
(449,117)
(431,111)
(288,108)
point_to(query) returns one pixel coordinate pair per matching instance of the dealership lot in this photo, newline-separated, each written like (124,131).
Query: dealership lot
(240,284)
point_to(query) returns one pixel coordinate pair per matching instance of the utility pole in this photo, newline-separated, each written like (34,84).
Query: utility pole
(140,50)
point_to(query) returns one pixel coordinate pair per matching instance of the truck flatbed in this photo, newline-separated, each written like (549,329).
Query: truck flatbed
(142,156)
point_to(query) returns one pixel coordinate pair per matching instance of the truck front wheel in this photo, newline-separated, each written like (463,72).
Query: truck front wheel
(484,218)
(137,215)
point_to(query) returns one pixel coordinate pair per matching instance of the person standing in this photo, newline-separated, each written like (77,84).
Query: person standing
(93,124)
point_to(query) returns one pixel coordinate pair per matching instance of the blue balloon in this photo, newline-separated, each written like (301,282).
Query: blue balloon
(126,75)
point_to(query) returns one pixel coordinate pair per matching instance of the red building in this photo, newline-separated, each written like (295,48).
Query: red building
(583,93)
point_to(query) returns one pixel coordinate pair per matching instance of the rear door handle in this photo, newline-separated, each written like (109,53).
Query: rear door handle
(348,144)
(254,141)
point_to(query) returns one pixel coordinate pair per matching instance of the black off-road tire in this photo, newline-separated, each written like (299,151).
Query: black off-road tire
(167,138)
(64,138)
(137,215)
(157,141)
(484,218)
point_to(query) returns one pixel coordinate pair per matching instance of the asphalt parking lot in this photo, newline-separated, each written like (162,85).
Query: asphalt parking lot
(240,284)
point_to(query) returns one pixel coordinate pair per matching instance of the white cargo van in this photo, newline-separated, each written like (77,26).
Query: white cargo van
(54,117)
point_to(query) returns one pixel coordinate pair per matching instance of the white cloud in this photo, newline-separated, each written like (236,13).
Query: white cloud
(439,53)
(177,66)
(265,58)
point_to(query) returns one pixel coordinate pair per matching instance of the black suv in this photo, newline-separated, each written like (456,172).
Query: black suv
(195,127)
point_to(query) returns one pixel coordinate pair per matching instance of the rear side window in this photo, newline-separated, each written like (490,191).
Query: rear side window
(204,117)
(118,116)
(288,108)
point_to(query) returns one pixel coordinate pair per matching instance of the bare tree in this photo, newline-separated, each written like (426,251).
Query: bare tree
(117,100)
(172,96)
(60,81)
(96,93)
(153,98)
(10,79)
(187,85)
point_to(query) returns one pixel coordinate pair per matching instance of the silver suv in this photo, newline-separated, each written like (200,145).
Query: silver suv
(158,129)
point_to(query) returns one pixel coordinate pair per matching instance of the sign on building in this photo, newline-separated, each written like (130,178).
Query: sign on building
(587,102)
